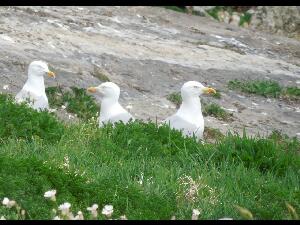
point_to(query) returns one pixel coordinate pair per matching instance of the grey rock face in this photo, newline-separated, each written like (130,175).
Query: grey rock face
(278,19)
(150,52)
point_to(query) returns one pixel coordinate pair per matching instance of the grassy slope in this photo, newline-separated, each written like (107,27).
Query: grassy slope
(259,174)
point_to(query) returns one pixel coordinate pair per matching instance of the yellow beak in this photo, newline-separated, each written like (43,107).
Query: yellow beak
(208,90)
(51,74)
(92,89)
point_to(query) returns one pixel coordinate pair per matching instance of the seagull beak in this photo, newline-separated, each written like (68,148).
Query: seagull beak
(51,74)
(208,90)
(91,89)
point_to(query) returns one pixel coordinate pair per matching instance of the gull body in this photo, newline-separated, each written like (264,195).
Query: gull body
(34,88)
(111,110)
(189,118)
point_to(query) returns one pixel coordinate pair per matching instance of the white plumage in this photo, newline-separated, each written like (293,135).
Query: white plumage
(33,90)
(189,118)
(111,110)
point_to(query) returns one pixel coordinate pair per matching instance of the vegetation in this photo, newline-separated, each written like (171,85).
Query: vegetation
(266,88)
(76,100)
(212,134)
(213,109)
(214,11)
(145,171)
(245,18)
(24,123)
(175,98)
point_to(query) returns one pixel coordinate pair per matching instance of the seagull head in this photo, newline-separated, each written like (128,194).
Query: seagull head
(107,90)
(195,89)
(39,68)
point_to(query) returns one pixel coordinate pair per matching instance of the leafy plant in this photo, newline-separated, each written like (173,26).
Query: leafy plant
(76,101)
(266,88)
(245,18)
(175,98)
(21,121)
(215,110)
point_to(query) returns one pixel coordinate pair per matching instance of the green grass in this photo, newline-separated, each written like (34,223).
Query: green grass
(217,94)
(175,98)
(214,11)
(213,109)
(76,101)
(266,88)
(107,164)
(245,18)
(22,122)
(212,134)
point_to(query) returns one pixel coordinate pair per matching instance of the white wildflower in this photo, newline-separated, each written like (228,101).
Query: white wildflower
(173,218)
(2,218)
(6,87)
(5,201)
(79,216)
(56,218)
(50,194)
(225,218)
(8,203)
(11,204)
(93,210)
(70,216)
(123,217)
(52,110)
(65,208)
(63,107)
(108,210)
(195,214)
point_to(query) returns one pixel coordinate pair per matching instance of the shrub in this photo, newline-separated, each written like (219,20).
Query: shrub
(21,121)
(77,101)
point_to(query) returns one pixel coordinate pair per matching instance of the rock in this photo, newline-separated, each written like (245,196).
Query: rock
(224,16)
(235,19)
(201,10)
(151,60)
(277,19)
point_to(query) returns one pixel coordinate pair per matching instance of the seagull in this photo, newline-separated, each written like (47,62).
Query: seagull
(111,111)
(34,88)
(189,118)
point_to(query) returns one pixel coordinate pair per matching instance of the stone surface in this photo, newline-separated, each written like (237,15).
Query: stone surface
(283,20)
(150,52)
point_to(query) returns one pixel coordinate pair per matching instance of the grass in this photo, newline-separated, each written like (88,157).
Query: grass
(214,11)
(22,122)
(149,172)
(211,109)
(266,88)
(175,98)
(76,101)
(212,134)
(245,18)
